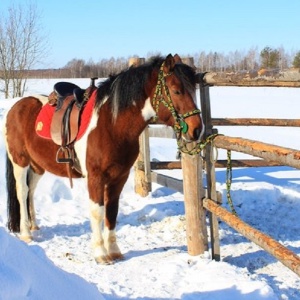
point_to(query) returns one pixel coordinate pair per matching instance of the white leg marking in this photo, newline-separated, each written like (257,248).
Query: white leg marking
(97,216)
(147,111)
(33,181)
(20,174)
(110,243)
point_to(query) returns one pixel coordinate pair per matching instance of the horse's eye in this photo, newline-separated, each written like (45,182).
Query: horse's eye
(176,92)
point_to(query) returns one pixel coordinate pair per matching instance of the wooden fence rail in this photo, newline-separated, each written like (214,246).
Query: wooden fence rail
(213,79)
(281,155)
(287,257)
(255,122)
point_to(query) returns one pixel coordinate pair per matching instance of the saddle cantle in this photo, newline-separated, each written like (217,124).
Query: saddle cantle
(68,113)
(69,100)
(64,89)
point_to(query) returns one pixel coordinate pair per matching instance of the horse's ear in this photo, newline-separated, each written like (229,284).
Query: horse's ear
(177,58)
(169,64)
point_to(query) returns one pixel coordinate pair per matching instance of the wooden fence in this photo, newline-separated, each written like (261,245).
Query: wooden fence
(199,201)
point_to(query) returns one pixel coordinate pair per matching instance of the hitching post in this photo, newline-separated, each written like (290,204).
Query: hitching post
(194,212)
(209,165)
(197,242)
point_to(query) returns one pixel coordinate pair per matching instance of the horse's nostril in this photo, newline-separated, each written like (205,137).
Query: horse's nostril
(196,133)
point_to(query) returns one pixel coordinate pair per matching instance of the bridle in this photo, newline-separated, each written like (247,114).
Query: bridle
(180,125)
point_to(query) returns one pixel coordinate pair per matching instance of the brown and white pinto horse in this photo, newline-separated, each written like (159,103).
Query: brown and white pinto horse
(125,104)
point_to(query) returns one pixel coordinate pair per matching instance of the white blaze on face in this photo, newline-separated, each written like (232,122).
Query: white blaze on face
(148,112)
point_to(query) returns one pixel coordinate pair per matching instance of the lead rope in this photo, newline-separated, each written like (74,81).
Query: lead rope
(228,182)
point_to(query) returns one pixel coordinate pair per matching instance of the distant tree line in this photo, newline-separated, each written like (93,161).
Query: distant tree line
(236,61)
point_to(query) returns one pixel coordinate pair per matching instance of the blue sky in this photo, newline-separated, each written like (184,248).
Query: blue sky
(97,29)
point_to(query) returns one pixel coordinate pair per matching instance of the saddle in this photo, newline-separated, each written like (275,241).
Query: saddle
(69,101)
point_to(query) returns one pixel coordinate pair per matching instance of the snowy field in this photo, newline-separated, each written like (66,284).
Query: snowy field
(151,230)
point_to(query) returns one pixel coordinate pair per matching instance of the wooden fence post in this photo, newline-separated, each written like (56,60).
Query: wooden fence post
(197,241)
(210,169)
(142,176)
(136,61)
(188,61)
(193,194)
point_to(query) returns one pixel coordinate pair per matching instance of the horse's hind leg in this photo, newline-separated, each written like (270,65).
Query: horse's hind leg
(20,174)
(33,179)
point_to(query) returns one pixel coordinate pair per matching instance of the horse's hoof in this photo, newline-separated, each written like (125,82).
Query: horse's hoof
(104,260)
(26,238)
(34,228)
(116,256)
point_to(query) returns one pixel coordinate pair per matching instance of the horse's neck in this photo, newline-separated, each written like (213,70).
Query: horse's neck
(131,123)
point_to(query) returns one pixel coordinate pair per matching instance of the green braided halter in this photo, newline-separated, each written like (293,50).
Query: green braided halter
(180,125)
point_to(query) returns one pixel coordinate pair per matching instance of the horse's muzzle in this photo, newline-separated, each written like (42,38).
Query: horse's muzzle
(196,134)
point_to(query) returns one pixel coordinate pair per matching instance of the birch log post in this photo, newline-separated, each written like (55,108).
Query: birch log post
(197,241)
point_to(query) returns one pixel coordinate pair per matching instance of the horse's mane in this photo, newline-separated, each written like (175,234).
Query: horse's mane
(123,89)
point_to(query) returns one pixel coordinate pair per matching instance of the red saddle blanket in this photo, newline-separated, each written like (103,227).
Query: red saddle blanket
(44,118)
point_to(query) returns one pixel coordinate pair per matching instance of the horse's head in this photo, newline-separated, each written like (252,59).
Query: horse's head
(174,98)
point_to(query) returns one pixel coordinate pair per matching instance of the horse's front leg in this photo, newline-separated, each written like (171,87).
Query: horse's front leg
(111,199)
(104,206)
(96,193)
(97,217)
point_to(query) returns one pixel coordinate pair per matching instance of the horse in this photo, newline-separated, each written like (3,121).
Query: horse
(163,88)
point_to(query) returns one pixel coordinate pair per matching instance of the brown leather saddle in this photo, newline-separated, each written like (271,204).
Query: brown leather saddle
(69,100)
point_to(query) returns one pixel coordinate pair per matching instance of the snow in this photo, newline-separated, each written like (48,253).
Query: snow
(58,264)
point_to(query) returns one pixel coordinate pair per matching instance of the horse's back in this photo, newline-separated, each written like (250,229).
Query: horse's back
(20,125)
(25,107)
(22,115)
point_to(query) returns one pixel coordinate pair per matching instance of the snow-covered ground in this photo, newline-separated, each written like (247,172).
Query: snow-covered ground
(151,230)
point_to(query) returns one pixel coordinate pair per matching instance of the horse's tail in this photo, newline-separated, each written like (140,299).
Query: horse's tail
(13,205)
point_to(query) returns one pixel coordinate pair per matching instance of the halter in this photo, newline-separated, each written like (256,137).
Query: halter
(180,125)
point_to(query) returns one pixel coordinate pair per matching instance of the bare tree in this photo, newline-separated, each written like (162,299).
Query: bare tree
(76,67)
(21,47)
(251,59)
